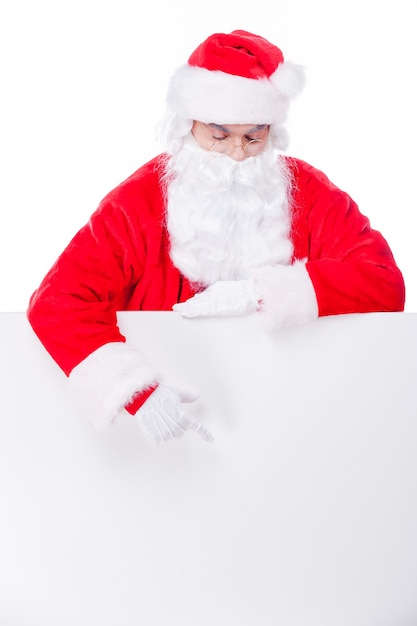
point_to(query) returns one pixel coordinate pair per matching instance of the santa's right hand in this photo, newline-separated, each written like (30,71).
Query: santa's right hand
(163,418)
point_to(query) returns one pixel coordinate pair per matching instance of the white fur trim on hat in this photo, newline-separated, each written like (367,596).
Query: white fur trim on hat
(213,96)
(107,380)
(287,294)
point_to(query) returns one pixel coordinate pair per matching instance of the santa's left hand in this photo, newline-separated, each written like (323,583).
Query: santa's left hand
(226,297)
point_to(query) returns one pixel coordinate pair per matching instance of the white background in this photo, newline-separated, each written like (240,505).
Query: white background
(83,85)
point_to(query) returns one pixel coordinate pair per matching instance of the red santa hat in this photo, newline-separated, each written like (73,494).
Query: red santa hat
(235,78)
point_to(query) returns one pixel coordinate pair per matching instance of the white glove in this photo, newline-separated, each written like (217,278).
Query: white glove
(162,417)
(226,297)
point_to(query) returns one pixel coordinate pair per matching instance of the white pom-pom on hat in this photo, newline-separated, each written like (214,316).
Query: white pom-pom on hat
(288,79)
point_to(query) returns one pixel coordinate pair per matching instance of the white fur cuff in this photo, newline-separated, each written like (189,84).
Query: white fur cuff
(287,294)
(108,379)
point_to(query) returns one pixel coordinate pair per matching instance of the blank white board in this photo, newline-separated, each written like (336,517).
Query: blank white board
(302,512)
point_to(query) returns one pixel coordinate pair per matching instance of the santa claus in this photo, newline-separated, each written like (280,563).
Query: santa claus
(221,223)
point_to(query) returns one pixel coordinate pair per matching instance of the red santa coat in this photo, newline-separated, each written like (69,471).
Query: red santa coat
(120,261)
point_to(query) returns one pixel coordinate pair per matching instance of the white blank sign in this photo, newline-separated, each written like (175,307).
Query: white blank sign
(301,513)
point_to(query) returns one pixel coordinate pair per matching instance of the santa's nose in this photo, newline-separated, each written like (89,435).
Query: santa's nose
(237,153)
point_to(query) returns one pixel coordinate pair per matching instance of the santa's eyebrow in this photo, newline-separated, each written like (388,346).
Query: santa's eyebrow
(227,130)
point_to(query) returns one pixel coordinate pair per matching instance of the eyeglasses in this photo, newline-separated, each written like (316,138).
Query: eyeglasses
(224,147)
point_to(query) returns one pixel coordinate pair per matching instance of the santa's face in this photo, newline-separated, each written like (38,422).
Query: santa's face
(227,210)
(237,141)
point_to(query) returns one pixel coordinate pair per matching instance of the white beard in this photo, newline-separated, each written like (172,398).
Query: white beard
(226,217)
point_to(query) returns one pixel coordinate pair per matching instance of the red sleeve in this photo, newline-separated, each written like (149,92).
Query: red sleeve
(350,264)
(139,399)
(73,311)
